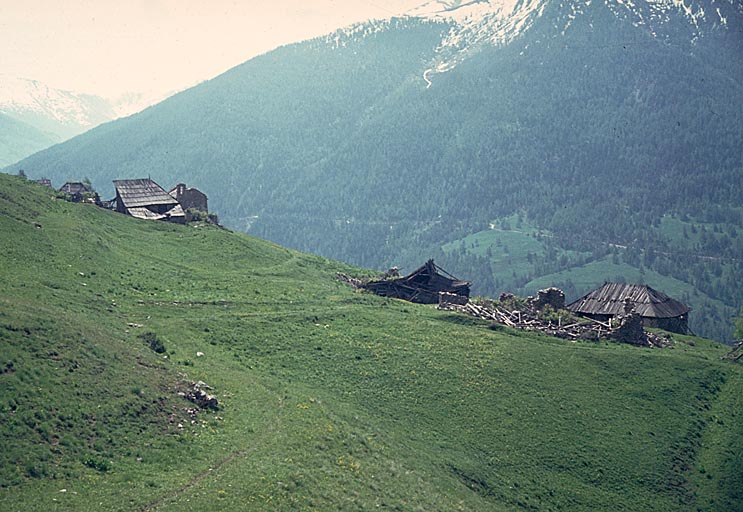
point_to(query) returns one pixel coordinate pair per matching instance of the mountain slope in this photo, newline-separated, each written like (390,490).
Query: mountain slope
(383,142)
(18,140)
(63,113)
(330,399)
(50,115)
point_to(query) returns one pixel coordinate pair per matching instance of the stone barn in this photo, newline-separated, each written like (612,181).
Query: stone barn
(190,198)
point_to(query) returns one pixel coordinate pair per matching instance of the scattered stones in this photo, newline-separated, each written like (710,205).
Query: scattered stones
(353,281)
(553,297)
(630,330)
(446,298)
(194,392)
(197,395)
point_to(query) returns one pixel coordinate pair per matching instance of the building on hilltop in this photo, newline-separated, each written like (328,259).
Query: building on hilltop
(190,198)
(145,199)
(422,285)
(79,192)
(656,309)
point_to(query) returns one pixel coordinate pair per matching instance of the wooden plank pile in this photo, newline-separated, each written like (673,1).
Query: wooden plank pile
(736,352)
(525,315)
(544,313)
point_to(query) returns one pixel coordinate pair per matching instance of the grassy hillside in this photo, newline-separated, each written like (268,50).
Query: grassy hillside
(330,399)
(592,125)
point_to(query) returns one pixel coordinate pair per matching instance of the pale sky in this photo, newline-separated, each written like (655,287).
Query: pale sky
(109,47)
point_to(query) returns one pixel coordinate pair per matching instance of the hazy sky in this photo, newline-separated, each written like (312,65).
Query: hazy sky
(108,47)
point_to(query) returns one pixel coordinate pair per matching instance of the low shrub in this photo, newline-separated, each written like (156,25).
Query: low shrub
(97,463)
(155,343)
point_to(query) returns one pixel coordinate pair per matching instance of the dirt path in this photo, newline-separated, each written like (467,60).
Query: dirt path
(213,470)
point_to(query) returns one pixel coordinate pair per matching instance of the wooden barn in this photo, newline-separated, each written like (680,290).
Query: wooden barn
(190,198)
(421,286)
(79,192)
(145,199)
(656,309)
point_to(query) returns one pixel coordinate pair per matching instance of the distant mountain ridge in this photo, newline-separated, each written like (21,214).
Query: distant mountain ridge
(384,142)
(498,22)
(63,113)
(54,115)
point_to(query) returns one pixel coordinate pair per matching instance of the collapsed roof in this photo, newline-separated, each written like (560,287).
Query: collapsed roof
(422,285)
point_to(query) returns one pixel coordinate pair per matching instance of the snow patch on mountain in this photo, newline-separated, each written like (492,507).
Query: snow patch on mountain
(347,35)
(653,14)
(497,22)
(65,113)
(20,97)
(476,23)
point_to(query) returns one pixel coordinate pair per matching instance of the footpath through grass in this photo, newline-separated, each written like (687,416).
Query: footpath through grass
(330,399)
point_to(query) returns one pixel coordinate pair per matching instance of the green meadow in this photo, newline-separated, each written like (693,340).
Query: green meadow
(330,399)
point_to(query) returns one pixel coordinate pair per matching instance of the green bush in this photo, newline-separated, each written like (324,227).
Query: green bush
(97,463)
(155,343)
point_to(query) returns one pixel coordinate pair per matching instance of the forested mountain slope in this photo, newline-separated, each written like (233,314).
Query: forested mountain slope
(18,139)
(330,399)
(382,143)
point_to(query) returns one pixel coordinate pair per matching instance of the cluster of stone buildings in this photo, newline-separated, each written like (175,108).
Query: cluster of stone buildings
(144,199)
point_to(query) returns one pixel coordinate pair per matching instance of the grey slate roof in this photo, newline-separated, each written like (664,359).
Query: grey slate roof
(142,192)
(73,187)
(609,300)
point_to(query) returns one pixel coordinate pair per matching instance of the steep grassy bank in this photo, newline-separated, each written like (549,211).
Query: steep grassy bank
(330,399)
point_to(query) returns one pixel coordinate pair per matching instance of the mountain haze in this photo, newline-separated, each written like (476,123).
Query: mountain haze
(601,134)
(18,139)
(62,113)
(36,116)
